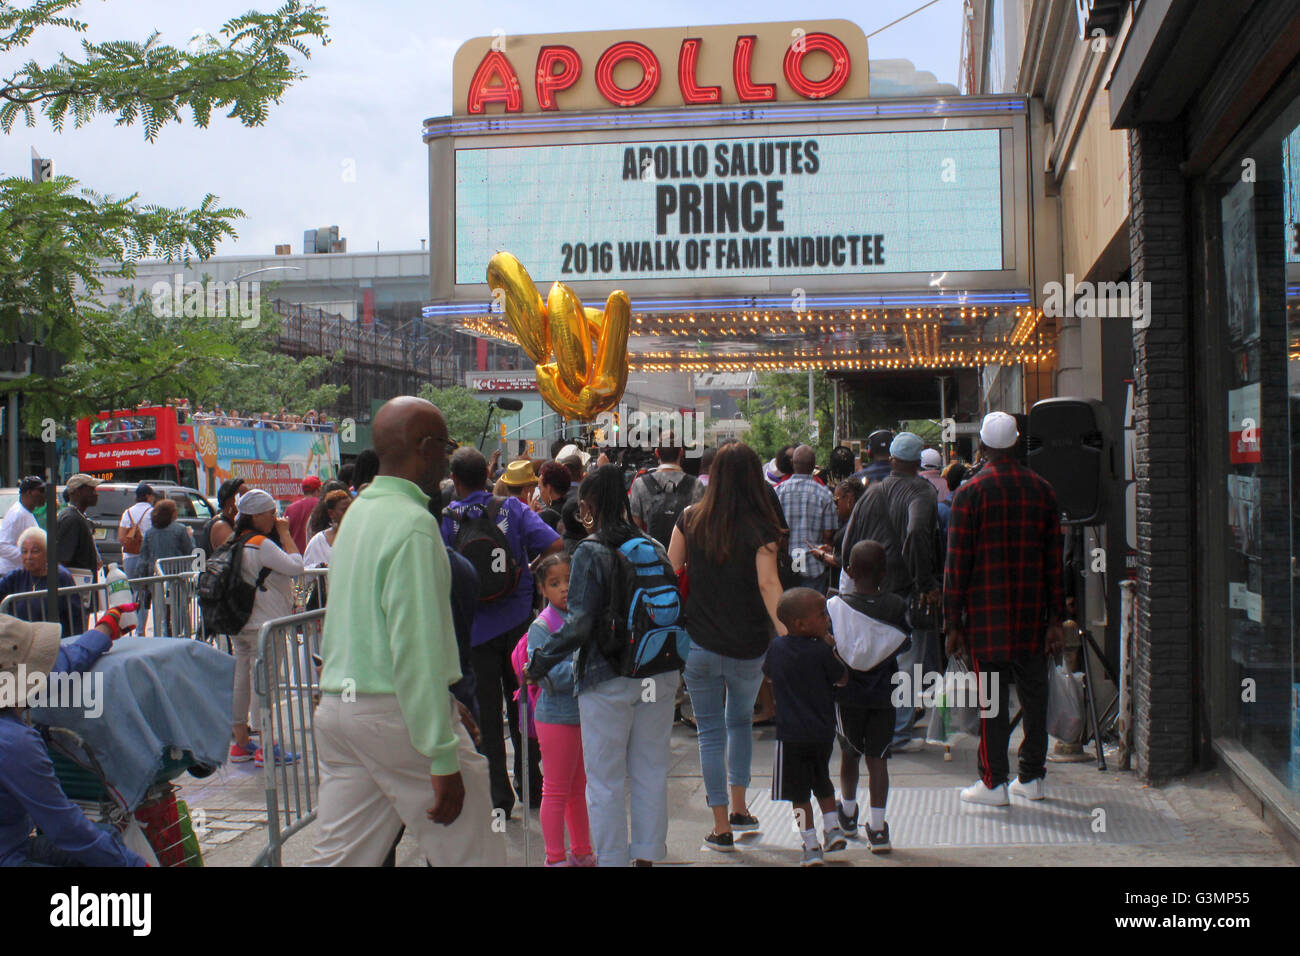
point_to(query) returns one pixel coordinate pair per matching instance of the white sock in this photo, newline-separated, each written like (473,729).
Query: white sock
(810,838)
(849,805)
(877,818)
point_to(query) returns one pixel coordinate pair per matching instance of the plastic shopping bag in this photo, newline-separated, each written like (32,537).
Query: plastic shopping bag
(956,708)
(1064,704)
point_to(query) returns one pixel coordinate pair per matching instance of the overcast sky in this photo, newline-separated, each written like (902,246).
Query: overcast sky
(386,69)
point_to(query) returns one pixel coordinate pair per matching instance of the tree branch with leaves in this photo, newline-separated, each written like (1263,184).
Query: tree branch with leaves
(58,243)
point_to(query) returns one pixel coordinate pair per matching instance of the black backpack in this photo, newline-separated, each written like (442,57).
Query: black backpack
(645,633)
(480,540)
(667,505)
(225,598)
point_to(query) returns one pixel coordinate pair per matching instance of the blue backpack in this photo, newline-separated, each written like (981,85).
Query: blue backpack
(647,625)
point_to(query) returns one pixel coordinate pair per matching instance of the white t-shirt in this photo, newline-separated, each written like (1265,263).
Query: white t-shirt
(277,599)
(16,520)
(141,514)
(318,551)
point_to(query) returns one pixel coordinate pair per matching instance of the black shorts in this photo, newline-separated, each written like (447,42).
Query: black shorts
(802,768)
(865,730)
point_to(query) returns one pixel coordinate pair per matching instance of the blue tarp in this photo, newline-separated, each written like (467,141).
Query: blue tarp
(157,694)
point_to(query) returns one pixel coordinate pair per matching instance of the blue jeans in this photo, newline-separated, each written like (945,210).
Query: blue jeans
(927,650)
(726,729)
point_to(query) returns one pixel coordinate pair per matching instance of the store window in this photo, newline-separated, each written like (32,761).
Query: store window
(1250,448)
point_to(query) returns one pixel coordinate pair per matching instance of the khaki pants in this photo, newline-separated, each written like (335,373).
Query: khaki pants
(373,781)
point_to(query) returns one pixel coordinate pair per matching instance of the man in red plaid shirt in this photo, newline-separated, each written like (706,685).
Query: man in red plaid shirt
(1003,603)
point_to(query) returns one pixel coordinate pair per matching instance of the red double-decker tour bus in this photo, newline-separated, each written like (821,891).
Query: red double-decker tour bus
(139,444)
(162,443)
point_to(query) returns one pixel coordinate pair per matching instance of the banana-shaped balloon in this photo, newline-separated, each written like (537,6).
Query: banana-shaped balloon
(589,370)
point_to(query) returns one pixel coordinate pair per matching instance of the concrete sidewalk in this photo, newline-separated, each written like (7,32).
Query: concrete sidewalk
(1090,818)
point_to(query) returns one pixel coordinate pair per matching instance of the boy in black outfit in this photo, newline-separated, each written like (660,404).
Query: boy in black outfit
(869,625)
(805,669)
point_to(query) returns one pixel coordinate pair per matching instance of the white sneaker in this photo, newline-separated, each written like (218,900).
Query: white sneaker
(978,793)
(1034,790)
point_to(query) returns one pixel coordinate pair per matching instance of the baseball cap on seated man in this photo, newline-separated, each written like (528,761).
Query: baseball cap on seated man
(999,431)
(930,458)
(905,447)
(34,644)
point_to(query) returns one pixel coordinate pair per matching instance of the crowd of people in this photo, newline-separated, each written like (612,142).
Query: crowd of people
(281,421)
(534,556)
(475,601)
(128,428)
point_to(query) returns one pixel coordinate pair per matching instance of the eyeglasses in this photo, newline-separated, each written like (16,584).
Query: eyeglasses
(450,445)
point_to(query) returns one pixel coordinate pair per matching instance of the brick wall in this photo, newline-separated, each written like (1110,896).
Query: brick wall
(1163,686)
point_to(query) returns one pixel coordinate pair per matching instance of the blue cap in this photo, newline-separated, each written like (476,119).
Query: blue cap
(906,447)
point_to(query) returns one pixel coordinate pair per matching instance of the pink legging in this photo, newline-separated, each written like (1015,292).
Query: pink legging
(564,790)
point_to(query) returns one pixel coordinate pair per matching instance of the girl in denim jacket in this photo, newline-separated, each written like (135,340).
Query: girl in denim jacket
(559,735)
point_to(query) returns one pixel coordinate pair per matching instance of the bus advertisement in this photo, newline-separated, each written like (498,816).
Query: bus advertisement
(159,443)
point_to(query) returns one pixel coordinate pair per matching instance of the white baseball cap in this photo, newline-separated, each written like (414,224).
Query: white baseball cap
(999,430)
(569,451)
(930,458)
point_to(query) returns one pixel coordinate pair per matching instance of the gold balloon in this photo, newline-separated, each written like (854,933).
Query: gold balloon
(589,370)
(523,304)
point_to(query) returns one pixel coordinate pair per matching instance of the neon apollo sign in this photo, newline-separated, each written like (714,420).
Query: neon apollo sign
(558,68)
(812,60)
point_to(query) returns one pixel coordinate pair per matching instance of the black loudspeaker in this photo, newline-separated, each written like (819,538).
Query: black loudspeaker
(1069,445)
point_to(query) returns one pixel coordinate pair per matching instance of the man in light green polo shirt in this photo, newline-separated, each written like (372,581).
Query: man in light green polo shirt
(391,746)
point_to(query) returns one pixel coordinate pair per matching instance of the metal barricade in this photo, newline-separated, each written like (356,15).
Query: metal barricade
(287,685)
(75,605)
(176,599)
(309,589)
(79,600)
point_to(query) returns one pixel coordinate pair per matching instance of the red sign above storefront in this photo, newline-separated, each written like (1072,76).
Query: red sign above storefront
(504,384)
(747,63)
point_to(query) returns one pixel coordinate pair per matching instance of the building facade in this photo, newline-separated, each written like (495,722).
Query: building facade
(1174,149)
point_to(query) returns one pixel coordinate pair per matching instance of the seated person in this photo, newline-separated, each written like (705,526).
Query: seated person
(31,577)
(30,793)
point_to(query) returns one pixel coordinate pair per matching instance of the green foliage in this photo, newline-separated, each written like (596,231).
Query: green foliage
(54,246)
(778,415)
(465,413)
(135,354)
(58,243)
(151,82)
